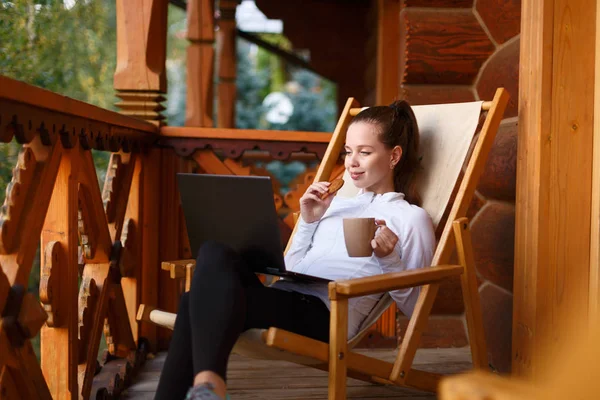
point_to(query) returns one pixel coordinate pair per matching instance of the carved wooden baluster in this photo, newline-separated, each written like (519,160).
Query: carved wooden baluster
(17,193)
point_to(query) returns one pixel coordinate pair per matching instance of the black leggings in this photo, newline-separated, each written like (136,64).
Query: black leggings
(226,299)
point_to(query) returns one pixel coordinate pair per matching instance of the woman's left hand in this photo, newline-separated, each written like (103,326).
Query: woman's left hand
(385,240)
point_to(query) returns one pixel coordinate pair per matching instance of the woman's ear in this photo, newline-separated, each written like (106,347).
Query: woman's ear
(396,155)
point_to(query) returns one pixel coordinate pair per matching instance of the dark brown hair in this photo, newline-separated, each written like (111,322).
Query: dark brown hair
(397,126)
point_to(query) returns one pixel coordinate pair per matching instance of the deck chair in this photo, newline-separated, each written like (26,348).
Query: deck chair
(447,140)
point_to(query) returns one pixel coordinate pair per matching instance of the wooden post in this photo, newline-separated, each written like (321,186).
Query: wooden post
(200,63)
(140,78)
(59,349)
(595,228)
(388,51)
(554,187)
(140,81)
(227,64)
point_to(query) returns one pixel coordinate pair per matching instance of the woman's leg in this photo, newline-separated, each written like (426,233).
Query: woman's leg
(226,299)
(178,370)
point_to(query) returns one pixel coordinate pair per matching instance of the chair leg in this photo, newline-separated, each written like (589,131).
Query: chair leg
(468,281)
(338,348)
(416,326)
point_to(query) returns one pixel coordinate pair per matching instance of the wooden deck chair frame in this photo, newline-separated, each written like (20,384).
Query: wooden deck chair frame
(335,356)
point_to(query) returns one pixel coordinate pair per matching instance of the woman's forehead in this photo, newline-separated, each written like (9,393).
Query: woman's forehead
(362,134)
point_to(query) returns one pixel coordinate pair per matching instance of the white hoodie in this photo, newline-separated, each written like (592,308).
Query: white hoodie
(319,249)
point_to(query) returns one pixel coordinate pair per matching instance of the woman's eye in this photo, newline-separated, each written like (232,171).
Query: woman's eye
(365,153)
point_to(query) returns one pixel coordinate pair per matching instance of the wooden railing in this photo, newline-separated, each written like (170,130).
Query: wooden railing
(100,250)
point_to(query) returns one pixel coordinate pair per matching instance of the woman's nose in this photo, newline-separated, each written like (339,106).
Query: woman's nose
(352,161)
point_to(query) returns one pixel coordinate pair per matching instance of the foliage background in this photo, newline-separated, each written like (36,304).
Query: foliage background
(69,47)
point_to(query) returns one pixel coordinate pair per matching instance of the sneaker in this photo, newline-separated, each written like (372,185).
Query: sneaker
(202,392)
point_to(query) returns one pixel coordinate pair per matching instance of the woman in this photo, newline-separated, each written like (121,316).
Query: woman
(226,298)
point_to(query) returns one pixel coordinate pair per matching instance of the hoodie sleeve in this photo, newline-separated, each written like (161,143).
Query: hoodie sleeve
(415,248)
(301,243)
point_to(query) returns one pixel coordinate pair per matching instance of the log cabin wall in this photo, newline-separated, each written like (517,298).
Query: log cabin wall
(462,50)
(446,51)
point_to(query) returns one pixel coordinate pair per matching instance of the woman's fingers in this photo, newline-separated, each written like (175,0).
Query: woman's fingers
(318,187)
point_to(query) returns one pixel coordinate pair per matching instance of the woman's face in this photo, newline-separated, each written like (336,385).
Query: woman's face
(368,160)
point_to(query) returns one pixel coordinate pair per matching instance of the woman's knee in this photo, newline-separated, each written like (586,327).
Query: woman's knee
(217,259)
(214,251)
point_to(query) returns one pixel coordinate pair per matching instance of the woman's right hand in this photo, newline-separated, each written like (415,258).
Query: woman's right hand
(312,208)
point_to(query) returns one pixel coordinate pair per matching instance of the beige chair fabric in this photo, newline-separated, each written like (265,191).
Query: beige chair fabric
(446,132)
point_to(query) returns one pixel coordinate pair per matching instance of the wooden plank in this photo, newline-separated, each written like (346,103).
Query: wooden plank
(201,25)
(411,340)
(227,64)
(396,280)
(131,284)
(141,45)
(59,346)
(115,193)
(468,282)
(150,198)
(245,134)
(17,266)
(93,211)
(388,51)
(210,163)
(117,323)
(9,387)
(472,174)
(552,243)
(34,96)
(199,96)
(30,370)
(338,345)
(595,217)
(168,289)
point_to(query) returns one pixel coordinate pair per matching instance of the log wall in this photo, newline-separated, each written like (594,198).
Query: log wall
(461,50)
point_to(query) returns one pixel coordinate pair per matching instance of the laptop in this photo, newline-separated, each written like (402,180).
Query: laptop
(237,211)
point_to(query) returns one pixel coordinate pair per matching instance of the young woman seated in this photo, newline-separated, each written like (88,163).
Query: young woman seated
(226,298)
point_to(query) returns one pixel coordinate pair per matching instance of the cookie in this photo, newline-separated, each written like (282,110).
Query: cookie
(336,185)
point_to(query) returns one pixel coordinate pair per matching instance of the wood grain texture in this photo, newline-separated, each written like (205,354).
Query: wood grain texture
(141,45)
(556,122)
(388,46)
(150,213)
(470,286)
(59,346)
(442,48)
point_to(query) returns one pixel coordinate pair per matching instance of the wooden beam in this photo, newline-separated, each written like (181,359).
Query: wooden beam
(200,63)
(59,346)
(388,51)
(141,78)
(554,187)
(245,134)
(21,92)
(131,284)
(149,226)
(226,42)
(595,217)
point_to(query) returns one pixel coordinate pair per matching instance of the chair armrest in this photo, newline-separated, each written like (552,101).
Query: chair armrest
(483,385)
(177,269)
(393,281)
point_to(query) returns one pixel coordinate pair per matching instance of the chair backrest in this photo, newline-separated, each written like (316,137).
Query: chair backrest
(446,133)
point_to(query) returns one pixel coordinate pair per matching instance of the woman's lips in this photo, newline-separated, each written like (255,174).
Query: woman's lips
(355,175)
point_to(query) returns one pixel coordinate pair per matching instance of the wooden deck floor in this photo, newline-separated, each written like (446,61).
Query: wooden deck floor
(259,379)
